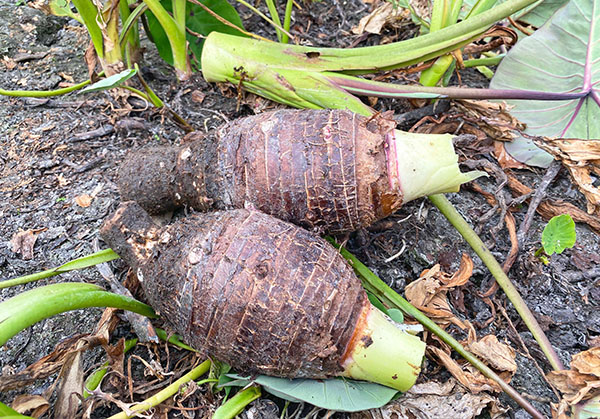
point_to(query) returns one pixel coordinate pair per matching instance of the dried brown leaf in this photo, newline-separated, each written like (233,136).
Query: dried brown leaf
(22,242)
(429,292)
(437,400)
(473,380)
(43,368)
(587,362)
(582,159)
(491,117)
(71,384)
(9,63)
(504,158)
(32,404)
(198,96)
(582,381)
(498,355)
(462,276)
(378,18)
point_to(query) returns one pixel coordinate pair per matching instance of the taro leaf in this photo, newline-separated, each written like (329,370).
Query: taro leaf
(539,13)
(559,234)
(536,15)
(110,82)
(197,20)
(338,394)
(562,56)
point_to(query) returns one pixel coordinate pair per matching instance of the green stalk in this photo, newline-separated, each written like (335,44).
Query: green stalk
(167,392)
(439,15)
(465,230)
(176,35)
(44,93)
(94,380)
(454,12)
(264,17)
(28,308)
(392,357)
(441,66)
(275,16)
(287,20)
(129,25)
(96,258)
(376,286)
(237,403)
(173,339)
(129,38)
(481,6)
(487,61)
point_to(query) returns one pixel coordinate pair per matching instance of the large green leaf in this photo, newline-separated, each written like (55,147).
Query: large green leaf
(333,394)
(561,56)
(537,14)
(199,21)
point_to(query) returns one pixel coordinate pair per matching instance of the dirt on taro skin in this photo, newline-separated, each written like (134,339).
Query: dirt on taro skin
(57,178)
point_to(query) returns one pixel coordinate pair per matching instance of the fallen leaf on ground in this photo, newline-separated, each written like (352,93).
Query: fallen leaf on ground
(378,18)
(582,159)
(582,381)
(505,160)
(466,374)
(491,117)
(32,404)
(437,400)
(71,384)
(42,368)
(429,292)
(84,200)
(497,355)
(23,242)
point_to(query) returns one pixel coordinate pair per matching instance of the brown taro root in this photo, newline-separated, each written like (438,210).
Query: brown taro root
(263,295)
(326,170)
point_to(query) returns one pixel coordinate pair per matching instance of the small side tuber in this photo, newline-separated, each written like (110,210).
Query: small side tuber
(263,295)
(326,170)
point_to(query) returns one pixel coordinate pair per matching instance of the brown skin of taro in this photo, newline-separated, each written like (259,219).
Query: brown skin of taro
(325,170)
(261,294)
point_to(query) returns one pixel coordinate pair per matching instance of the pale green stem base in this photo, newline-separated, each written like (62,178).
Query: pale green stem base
(385,353)
(424,164)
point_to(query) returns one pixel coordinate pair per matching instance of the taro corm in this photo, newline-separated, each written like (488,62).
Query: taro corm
(327,170)
(264,296)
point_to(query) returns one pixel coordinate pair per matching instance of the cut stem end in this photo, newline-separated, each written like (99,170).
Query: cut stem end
(383,352)
(424,164)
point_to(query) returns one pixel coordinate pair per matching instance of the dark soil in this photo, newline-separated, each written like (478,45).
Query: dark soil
(47,162)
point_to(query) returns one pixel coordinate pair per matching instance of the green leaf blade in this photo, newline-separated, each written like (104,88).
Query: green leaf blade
(559,234)
(110,82)
(339,394)
(562,56)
